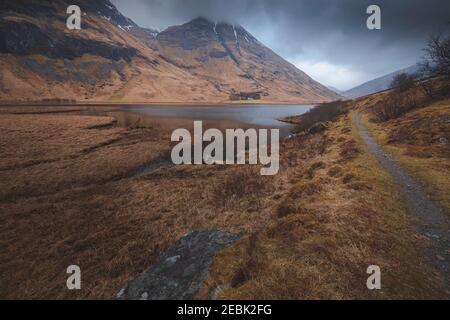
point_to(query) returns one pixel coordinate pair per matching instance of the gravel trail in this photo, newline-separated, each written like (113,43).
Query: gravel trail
(432,222)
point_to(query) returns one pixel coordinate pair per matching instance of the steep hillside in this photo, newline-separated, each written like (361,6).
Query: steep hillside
(113,59)
(41,59)
(232,59)
(378,84)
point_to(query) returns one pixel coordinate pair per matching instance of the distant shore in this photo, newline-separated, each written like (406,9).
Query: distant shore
(187,103)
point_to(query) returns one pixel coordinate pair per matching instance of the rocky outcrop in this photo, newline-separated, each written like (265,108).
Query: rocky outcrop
(180,271)
(24,38)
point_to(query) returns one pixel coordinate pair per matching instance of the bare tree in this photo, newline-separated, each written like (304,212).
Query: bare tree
(437,56)
(403,82)
(427,87)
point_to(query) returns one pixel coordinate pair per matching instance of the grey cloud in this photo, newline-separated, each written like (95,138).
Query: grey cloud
(333,31)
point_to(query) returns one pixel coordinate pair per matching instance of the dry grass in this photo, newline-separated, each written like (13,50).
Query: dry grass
(326,233)
(395,103)
(243,188)
(419,140)
(69,207)
(42,154)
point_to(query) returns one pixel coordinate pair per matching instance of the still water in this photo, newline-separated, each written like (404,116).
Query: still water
(257,115)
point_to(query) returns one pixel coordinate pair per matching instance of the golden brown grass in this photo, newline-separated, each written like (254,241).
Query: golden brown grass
(42,154)
(327,232)
(419,140)
(69,207)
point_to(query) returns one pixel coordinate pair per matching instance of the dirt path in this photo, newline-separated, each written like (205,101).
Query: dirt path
(431,220)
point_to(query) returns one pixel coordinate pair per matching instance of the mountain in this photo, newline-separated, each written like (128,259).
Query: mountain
(231,59)
(113,59)
(340,92)
(378,84)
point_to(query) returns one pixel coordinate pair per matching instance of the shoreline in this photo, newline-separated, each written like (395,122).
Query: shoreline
(107,104)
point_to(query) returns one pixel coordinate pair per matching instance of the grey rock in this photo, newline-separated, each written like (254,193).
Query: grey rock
(144,296)
(180,271)
(172,260)
(119,294)
(215,293)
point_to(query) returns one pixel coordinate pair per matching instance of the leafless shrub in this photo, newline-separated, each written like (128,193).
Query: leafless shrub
(321,114)
(403,82)
(396,104)
(427,88)
(436,61)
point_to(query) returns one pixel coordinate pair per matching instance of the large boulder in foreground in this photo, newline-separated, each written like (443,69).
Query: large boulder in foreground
(180,271)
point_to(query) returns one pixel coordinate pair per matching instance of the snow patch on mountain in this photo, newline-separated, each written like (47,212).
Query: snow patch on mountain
(106,18)
(125,28)
(236,38)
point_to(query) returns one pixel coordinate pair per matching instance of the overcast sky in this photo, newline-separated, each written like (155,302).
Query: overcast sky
(328,39)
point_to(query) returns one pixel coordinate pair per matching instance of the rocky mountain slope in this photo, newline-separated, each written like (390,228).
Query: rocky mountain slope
(378,84)
(113,59)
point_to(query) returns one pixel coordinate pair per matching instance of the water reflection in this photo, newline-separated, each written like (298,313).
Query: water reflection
(220,117)
(170,117)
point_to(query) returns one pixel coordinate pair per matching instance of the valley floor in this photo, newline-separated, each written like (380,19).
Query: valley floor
(70,195)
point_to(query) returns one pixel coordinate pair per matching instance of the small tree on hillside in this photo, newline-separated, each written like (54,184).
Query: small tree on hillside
(403,82)
(437,56)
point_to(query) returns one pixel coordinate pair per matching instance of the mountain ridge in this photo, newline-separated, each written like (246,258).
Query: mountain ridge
(378,84)
(112,59)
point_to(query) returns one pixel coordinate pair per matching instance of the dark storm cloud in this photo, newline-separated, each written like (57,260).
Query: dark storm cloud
(326,38)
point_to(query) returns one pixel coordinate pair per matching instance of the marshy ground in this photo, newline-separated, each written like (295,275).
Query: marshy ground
(70,195)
